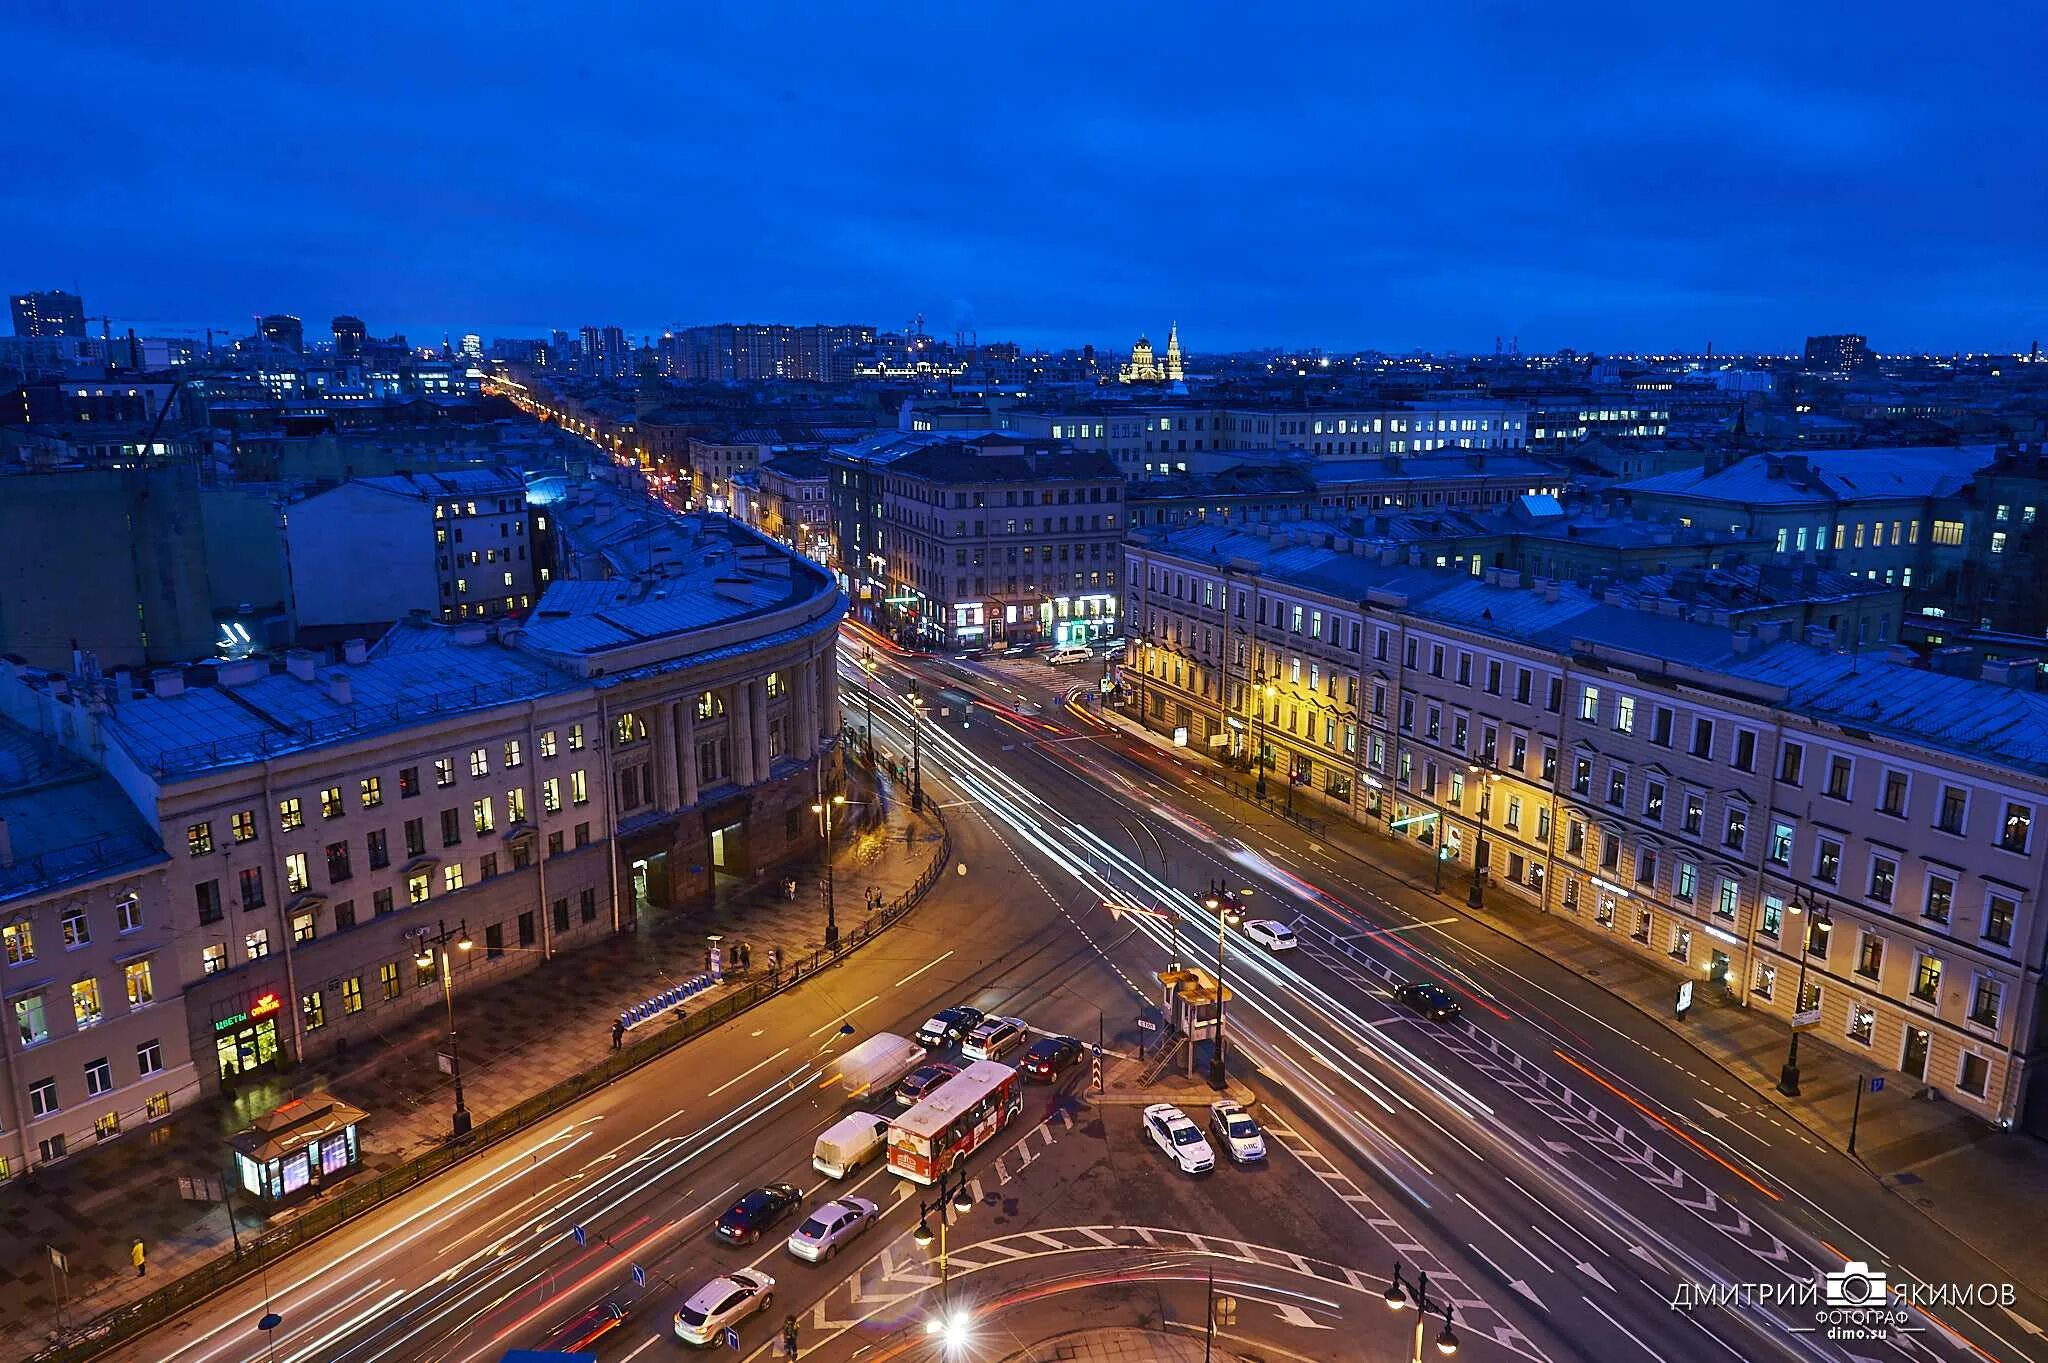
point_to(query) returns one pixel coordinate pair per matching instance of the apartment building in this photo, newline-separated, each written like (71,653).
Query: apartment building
(1829,833)
(540,785)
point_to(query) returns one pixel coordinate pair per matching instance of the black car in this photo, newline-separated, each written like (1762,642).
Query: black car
(1430,999)
(1049,1057)
(755,1212)
(949,1028)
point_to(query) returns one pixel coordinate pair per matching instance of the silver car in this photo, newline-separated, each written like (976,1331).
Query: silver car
(830,1226)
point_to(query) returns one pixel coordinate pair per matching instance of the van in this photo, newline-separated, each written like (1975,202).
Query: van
(1069,653)
(849,1143)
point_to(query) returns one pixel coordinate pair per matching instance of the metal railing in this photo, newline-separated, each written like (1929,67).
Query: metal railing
(125,1323)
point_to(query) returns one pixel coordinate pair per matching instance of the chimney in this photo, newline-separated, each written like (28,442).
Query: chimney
(354,651)
(1772,631)
(1957,660)
(2018,673)
(1552,592)
(167,682)
(300,663)
(6,846)
(124,684)
(1820,636)
(339,688)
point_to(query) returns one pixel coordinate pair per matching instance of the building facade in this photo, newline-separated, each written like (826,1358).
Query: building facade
(1827,833)
(49,313)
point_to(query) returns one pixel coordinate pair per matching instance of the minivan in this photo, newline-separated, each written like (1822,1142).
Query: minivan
(849,1143)
(1069,653)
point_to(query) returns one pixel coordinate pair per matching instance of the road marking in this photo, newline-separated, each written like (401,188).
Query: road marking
(652,1340)
(1504,1234)
(921,969)
(1624,1329)
(846,1016)
(747,1071)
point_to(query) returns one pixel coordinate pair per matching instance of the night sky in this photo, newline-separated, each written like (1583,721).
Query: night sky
(1428,176)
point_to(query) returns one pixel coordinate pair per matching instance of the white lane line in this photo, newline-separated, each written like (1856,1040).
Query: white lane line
(747,1071)
(847,1016)
(921,969)
(1503,1231)
(652,1340)
(1625,1330)
(1404,927)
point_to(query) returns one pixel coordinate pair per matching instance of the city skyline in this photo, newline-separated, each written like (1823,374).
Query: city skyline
(1744,187)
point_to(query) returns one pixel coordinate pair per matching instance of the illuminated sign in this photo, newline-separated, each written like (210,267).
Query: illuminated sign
(263,1007)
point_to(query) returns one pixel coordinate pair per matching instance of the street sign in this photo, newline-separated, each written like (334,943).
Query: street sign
(1805,1018)
(1684,996)
(447,1063)
(732,1338)
(1147,1025)
(57,1259)
(1877,1083)
(581,1238)
(639,1276)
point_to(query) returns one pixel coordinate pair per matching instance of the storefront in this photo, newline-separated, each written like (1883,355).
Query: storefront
(245,1034)
(298,1149)
(1079,619)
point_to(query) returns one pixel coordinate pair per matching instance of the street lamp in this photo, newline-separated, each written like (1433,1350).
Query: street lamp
(1396,1297)
(1222,903)
(867,691)
(823,809)
(1262,691)
(431,945)
(1485,770)
(916,766)
(1818,919)
(950,1197)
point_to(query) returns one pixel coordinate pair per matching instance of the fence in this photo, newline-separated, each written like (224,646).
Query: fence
(126,1322)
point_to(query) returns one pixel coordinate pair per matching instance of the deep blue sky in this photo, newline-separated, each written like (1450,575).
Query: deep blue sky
(1423,176)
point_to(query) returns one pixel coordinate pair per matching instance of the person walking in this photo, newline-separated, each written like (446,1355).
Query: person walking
(789,1336)
(618,1033)
(136,1257)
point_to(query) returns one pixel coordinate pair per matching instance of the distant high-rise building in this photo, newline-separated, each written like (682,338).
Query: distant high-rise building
(349,335)
(284,329)
(473,345)
(50,313)
(1837,354)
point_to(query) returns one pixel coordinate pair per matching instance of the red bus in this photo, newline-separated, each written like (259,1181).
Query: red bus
(959,1117)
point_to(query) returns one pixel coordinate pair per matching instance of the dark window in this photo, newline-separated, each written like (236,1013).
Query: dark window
(208,894)
(415,837)
(451,827)
(588,903)
(408,782)
(561,912)
(337,862)
(494,940)
(380,849)
(344,915)
(526,932)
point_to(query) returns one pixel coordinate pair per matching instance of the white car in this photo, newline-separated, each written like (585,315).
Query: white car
(1239,1134)
(830,1226)
(723,1303)
(1173,1133)
(1273,936)
(995,1038)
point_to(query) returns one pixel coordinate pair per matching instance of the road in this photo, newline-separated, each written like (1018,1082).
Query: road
(1551,1169)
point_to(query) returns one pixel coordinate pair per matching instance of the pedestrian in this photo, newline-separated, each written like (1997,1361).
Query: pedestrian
(618,1033)
(135,1257)
(789,1336)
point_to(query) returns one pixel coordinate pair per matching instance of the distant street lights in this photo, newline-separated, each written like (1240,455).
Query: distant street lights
(1818,919)
(1485,770)
(431,946)
(1397,1299)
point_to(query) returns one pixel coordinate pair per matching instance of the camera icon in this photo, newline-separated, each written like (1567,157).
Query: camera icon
(1855,1285)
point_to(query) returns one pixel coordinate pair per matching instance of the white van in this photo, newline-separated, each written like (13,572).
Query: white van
(1069,653)
(849,1143)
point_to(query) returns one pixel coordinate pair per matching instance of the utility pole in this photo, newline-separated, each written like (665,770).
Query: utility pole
(824,810)
(916,762)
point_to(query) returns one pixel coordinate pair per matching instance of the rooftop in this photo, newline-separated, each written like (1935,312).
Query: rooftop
(66,821)
(1825,475)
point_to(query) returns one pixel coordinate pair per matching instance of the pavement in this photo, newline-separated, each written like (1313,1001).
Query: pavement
(1961,1172)
(1113,1345)
(92,1206)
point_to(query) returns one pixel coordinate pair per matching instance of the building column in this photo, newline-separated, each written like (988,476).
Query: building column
(663,738)
(804,741)
(827,680)
(757,706)
(740,728)
(685,751)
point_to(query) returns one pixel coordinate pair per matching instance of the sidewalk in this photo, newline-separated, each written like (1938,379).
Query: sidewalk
(1113,1345)
(1963,1174)
(92,1206)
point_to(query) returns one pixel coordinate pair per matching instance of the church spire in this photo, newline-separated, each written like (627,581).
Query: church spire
(1173,359)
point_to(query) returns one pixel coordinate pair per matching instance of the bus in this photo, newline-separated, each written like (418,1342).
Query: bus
(959,1117)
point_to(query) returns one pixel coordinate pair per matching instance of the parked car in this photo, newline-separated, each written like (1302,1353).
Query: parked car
(756,1212)
(722,1304)
(585,1328)
(922,1081)
(949,1027)
(1180,1139)
(1431,1000)
(994,1039)
(830,1226)
(1069,653)
(1115,648)
(1049,1058)
(1273,936)
(1236,1132)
